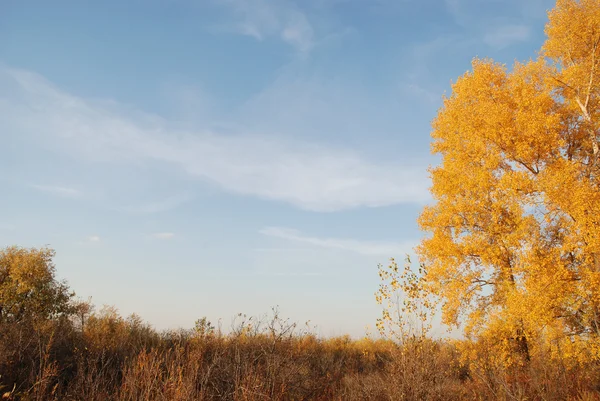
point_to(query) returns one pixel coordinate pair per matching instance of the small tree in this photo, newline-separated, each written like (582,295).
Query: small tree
(28,286)
(34,328)
(407,307)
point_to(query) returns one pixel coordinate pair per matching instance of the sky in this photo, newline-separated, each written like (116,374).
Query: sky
(190,158)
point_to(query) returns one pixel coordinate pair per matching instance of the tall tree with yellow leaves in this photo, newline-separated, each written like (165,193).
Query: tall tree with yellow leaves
(513,249)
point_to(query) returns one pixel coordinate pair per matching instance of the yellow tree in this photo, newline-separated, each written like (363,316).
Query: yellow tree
(28,287)
(34,307)
(514,233)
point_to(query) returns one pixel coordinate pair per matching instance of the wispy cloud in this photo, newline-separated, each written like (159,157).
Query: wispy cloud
(298,32)
(466,12)
(455,10)
(262,19)
(306,175)
(164,235)
(387,248)
(421,92)
(64,192)
(504,36)
(157,206)
(288,274)
(94,238)
(492,23)
(7,227)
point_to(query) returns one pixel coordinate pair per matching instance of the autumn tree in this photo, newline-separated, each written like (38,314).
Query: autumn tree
(34,317)
(28,286)
(513,245)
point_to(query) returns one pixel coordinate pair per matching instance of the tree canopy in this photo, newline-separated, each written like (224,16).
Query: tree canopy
(513,241)
(28,286)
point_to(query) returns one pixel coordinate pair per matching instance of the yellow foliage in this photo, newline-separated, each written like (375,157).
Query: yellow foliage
(513,245)
(410,317)
(28,288)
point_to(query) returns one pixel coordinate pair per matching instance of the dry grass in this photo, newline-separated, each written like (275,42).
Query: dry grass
(111,358)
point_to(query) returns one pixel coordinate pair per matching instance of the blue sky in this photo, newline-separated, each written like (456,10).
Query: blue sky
(192,158)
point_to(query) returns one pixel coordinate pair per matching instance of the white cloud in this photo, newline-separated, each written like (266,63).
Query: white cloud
(455,10)
(261,19)
(490,18)
(307,176)
(469,13)
(504,36)
(7,227)
(298,32)
(157,206)
(421,92)
(64,192)
(288,274)
(163,235)
(94,238)
(387,248)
